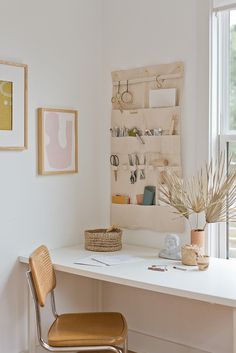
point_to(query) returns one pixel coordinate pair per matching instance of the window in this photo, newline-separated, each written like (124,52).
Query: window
(232,73)
(224,105)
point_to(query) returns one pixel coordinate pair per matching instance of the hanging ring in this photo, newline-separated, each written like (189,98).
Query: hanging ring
(127,96)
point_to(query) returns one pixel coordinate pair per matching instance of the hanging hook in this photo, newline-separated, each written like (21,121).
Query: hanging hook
(158,81)
(118,95)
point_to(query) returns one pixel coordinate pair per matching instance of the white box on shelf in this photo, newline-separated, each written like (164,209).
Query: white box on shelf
(162,97)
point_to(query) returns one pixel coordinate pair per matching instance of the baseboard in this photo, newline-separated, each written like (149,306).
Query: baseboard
(41,350)
(144,343)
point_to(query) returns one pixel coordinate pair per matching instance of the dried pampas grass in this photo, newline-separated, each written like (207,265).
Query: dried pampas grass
(212,192)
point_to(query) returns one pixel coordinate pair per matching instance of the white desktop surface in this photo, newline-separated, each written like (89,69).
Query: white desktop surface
(216,285)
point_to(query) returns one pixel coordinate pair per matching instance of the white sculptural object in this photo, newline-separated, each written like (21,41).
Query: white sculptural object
(172,249)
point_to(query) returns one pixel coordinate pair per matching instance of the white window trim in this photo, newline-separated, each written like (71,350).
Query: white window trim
(219,130)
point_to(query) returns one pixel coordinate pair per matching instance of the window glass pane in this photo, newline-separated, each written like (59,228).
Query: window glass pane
(232,225)
(232,72)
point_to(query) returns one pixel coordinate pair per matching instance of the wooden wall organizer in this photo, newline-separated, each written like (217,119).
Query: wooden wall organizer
(165,146)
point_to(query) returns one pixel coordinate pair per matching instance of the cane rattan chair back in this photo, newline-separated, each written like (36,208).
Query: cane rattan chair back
(43,273)
(73,332)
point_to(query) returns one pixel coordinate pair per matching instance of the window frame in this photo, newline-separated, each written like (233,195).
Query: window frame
(220,135)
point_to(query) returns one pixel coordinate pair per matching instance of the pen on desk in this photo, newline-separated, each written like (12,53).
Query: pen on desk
(161,268)
(101,262)
(179,268)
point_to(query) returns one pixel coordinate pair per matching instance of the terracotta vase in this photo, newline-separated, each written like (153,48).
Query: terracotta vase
(198,238)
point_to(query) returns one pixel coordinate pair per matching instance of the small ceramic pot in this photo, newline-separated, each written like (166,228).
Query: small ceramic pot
(203,262)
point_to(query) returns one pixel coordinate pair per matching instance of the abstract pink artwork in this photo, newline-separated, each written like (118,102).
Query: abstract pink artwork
(57,141)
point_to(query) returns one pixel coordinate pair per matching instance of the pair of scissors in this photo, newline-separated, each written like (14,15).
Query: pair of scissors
(114,160)
(116,99)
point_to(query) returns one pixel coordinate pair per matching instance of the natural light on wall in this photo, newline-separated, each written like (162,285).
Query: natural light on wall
(224,100)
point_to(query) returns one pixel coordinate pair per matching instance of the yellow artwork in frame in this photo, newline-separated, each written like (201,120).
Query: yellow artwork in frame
(13,106)
(6,105)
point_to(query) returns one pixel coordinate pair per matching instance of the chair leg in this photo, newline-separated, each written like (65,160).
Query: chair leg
(125,346)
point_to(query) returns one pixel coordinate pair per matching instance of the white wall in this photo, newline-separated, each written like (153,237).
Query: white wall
(61,43)
(160,323)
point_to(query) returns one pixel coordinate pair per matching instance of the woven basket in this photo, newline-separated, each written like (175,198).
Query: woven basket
(101,240)
(189,255)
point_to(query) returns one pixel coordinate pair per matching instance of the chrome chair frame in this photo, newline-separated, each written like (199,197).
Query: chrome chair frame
(45,345)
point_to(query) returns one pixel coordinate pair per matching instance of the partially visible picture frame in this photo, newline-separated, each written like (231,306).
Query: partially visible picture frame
(13,106)
(57,141)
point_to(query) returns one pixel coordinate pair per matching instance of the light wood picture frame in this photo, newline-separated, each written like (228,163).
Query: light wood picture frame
(13,106)
(57,141)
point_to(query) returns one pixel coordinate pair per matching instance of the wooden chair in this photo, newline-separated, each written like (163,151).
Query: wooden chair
(74,332)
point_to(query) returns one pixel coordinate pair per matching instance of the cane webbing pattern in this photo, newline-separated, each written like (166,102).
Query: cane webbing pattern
(42,272)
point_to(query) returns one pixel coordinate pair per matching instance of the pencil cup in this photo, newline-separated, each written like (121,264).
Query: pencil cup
(139,199)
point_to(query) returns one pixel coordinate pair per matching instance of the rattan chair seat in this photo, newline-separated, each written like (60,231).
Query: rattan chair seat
(88,329)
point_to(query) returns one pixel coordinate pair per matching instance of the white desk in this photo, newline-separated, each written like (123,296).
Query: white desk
(216,285)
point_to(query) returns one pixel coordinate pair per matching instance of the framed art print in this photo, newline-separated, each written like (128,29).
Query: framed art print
(57,141)
(13,106)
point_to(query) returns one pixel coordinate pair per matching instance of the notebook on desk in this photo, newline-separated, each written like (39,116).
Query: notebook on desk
(107,260)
